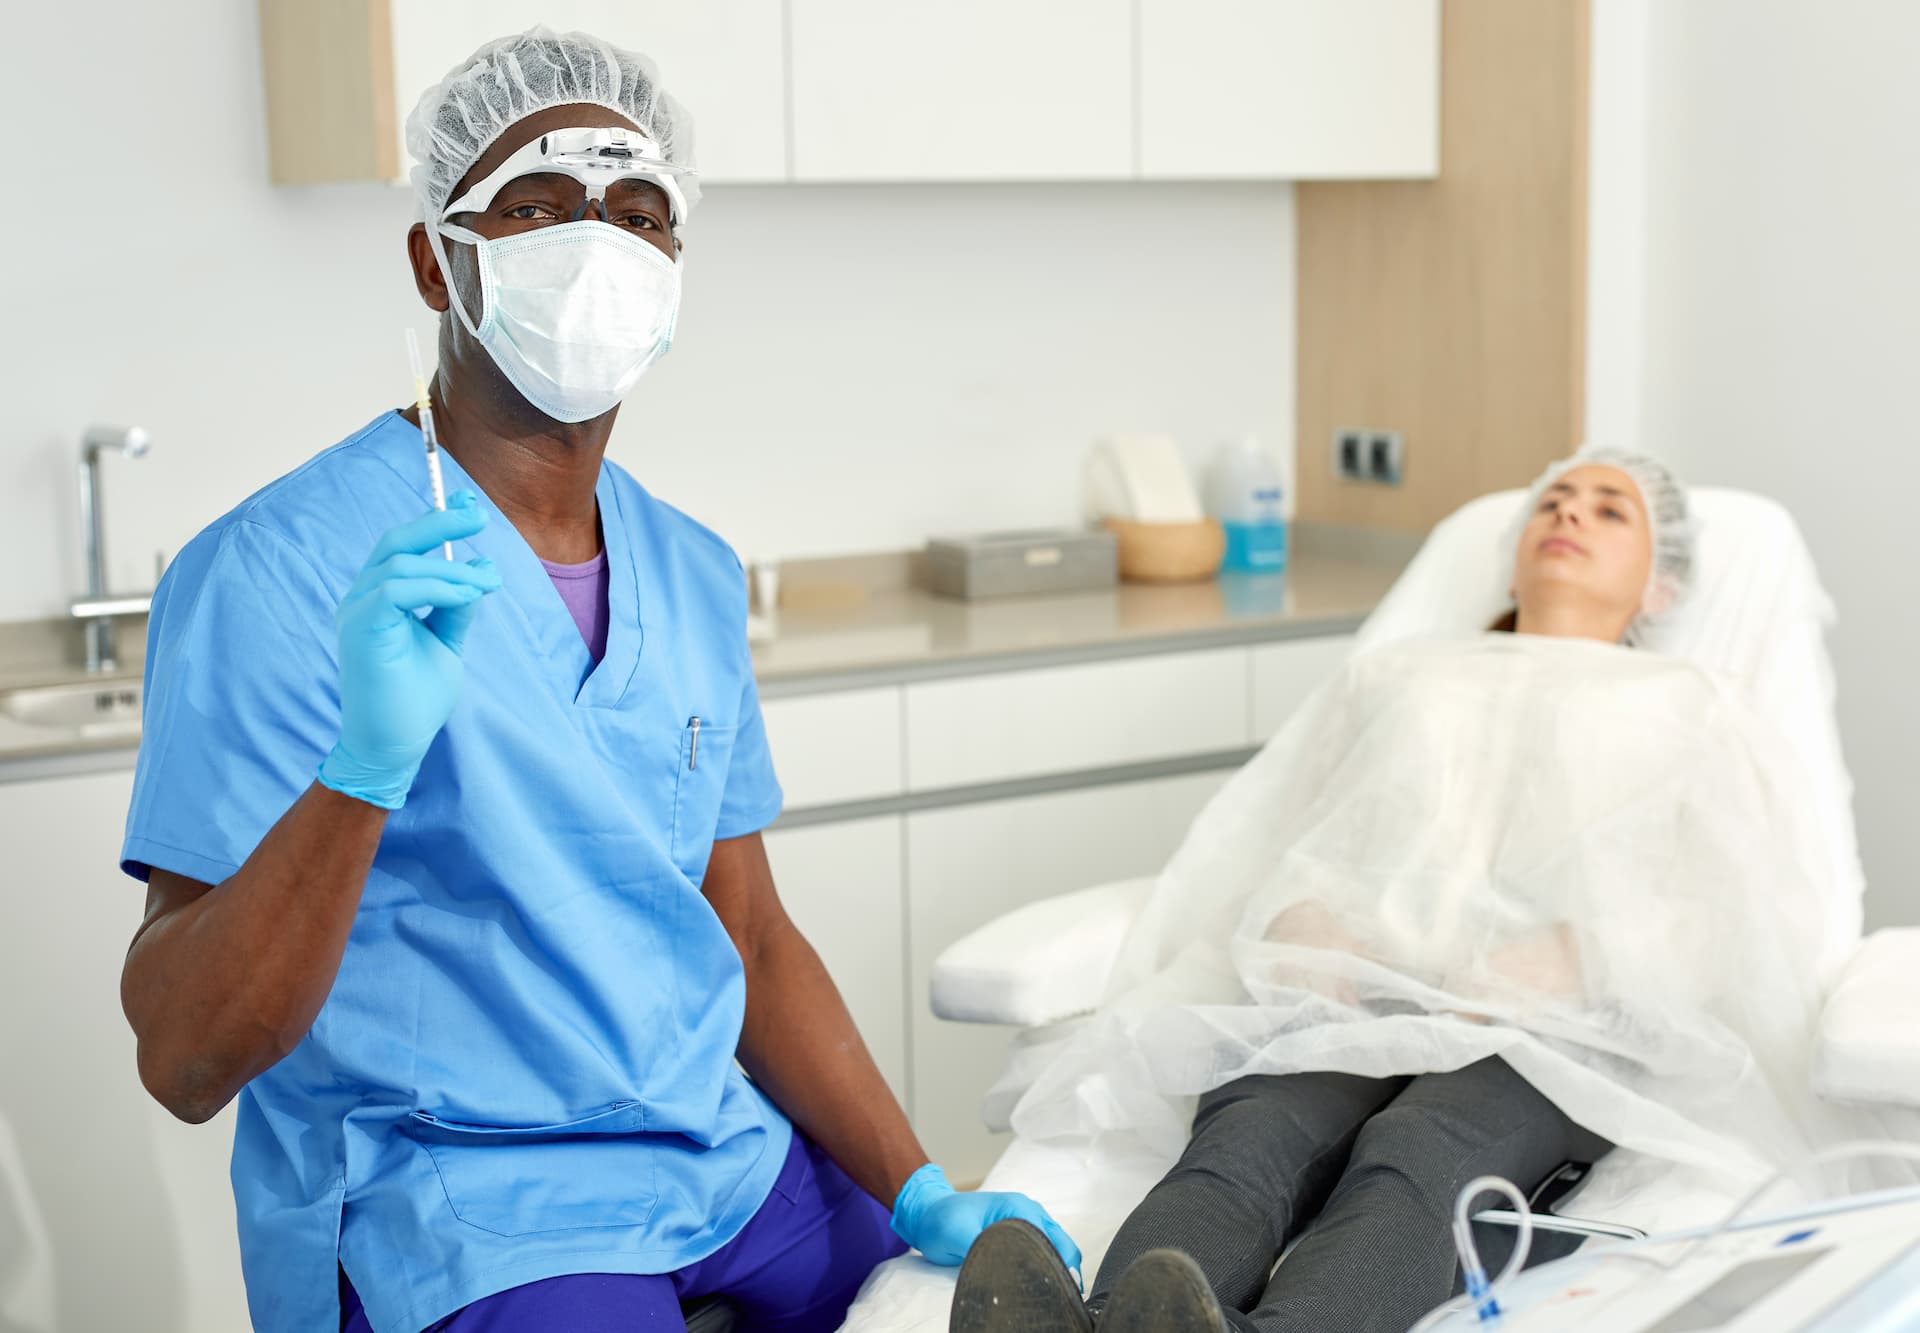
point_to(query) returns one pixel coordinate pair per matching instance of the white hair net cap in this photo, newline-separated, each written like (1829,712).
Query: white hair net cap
(1669,519)
(509,79)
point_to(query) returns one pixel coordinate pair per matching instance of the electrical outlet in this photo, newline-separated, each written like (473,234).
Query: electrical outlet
(1350,454)
(1362,453)
(1386,457)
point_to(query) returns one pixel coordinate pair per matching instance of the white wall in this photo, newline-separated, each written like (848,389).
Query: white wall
(857,367)
(1616,221)
(1764,331)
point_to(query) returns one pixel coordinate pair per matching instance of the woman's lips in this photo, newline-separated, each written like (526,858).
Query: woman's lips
(1567,544)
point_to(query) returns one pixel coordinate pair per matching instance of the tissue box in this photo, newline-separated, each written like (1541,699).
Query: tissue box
(1013,564)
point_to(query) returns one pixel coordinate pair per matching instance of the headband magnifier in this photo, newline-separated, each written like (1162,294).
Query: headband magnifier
(597,158)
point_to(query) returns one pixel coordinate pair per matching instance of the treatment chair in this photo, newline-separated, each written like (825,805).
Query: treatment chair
(1757,612)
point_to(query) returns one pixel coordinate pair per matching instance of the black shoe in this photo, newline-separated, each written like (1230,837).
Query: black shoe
(1163,1291)
(1013,1282)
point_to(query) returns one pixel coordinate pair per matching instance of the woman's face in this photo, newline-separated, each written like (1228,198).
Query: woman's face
(1586,551)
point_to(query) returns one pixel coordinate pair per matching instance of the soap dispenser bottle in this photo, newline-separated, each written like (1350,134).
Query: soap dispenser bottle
(1245,492)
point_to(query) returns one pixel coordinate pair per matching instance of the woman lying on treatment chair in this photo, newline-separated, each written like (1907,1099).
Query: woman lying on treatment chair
(1483,907)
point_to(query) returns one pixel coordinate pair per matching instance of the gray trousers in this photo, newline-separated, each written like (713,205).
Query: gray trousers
(1367,1168)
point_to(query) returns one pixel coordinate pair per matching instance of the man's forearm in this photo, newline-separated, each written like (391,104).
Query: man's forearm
(221,983)
(800,1044)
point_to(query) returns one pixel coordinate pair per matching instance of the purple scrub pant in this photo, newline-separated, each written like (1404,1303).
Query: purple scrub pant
(794,1268)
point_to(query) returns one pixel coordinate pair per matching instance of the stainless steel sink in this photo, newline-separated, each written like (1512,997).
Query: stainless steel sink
(93,708)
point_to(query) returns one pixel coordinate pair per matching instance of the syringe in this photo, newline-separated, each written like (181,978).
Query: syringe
(421,401)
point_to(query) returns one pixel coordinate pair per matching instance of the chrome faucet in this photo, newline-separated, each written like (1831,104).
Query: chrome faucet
(98,609)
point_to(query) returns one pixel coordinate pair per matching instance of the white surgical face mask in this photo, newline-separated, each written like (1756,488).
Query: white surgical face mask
(572,314)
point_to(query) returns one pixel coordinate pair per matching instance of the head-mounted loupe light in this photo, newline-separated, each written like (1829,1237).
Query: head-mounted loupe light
(594,157)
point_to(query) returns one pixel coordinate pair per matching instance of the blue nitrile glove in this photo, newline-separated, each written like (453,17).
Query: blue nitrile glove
(399,674)
(942,1222)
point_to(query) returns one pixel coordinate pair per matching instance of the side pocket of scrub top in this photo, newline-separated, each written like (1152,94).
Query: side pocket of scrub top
(597,1171)
(705,751)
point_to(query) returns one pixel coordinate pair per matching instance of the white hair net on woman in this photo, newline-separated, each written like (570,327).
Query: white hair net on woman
(1669,520)
(509,79)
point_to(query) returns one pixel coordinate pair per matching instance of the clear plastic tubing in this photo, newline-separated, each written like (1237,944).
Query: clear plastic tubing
(1480,1292)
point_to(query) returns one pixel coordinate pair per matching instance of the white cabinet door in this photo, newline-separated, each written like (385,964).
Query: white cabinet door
(721,59)
(841,885)
(969,864)
(1018,724)
(987,90)
(1284,674)
(1302,89)
(829,748)
(135,1207)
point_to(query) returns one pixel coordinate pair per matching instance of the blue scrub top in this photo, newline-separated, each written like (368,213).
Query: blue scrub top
(526,1065)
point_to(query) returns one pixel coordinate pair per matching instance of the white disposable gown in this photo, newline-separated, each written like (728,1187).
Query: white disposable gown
(1591,861)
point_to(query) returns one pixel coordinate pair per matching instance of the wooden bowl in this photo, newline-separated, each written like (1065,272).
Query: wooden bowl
(1168,552)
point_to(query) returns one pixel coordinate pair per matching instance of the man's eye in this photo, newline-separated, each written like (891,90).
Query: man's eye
(640,222)
(528,212)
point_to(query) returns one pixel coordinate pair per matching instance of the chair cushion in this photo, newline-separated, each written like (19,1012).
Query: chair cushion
(1040,963)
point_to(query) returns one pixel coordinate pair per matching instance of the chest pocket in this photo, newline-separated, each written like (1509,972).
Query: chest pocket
(705,753)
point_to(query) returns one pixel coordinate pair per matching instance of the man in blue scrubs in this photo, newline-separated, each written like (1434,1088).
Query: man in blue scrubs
(450,820)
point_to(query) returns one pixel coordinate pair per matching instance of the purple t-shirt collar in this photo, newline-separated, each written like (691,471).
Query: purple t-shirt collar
(583,588)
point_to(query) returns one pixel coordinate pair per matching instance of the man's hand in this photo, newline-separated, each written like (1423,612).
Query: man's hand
(399,674)
(942,1222)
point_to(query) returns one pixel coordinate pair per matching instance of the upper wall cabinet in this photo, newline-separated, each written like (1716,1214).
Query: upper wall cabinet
(886,90)
(914,90)
(1297,89)
(342,76)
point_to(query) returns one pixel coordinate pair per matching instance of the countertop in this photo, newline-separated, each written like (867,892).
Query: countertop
(908,634)
(885,633)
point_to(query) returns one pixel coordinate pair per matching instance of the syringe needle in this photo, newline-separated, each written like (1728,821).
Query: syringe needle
(425,406)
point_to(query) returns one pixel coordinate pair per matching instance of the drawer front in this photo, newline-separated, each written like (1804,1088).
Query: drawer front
(1284,674)
(1020,724)
(829,748)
